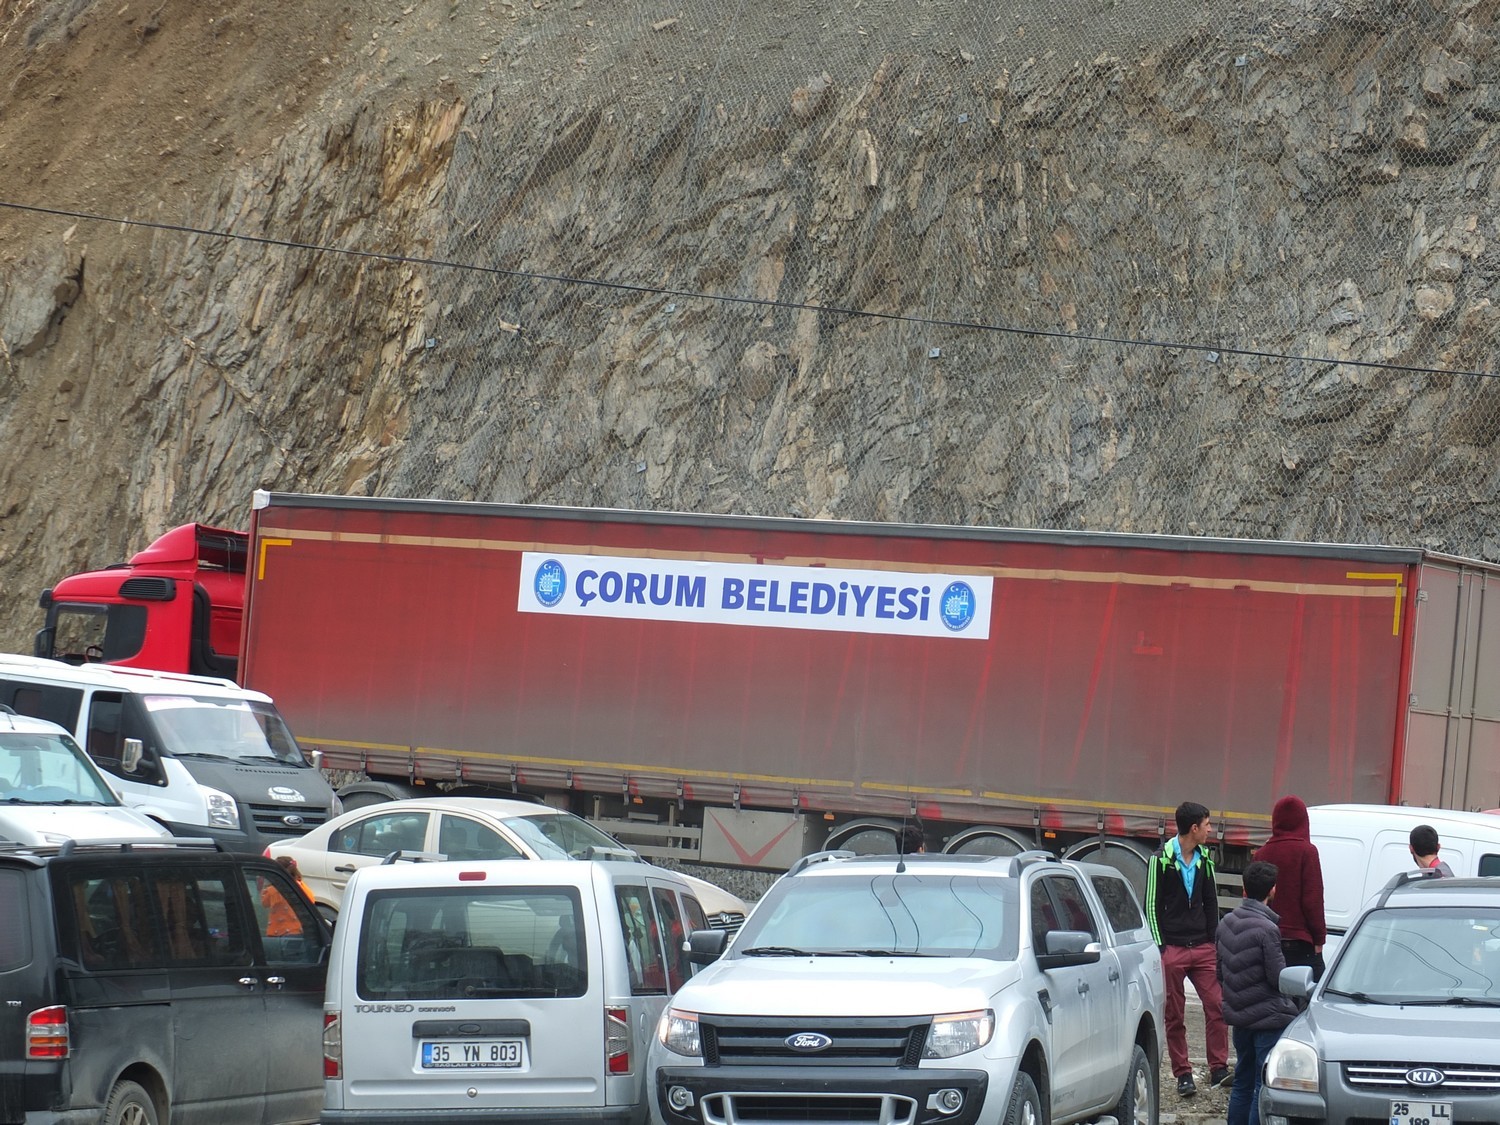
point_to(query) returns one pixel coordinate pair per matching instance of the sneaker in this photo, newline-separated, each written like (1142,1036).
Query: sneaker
(1185,1087)
(1220,1076)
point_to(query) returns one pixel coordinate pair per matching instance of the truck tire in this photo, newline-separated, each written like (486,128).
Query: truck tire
(128,1104)
(1138,1101)
(1025,1106)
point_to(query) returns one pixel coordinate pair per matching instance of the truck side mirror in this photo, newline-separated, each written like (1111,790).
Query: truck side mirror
(130,757)
(704,947)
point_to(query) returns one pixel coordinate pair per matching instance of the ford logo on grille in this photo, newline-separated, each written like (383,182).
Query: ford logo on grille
(1425,1076)
(293,821)
(809,1041)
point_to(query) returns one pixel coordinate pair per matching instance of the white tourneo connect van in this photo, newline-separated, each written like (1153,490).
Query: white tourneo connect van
(50,792)
(492,991)
(1362,846)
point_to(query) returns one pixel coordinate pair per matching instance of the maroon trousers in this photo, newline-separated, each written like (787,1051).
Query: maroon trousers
(1199,965)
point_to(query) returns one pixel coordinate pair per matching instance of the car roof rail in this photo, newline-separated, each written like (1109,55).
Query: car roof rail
(411,855)
(819,857)
(1401,878)
(1022,860)
(122,844)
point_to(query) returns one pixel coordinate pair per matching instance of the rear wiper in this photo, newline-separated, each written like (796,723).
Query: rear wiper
(1476,1001)
(1362,997)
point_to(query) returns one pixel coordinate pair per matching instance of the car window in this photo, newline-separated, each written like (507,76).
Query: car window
(172,916)
(642,940)
(1072,908)
(462,837)
(382,834)
(1119,903)
(472,943)
(15,921)
(559,835)
(1489,865)
(56,704)
(904,913)
(1043,916)
(696,919)
(679,968)
(289,935)
(1404,955)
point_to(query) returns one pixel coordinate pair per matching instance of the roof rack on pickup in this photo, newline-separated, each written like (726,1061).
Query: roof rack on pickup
(73,847)
(1022,860)
(819,857)
(1401,878)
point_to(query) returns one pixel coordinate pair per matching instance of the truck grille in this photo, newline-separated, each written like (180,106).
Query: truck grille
(271,820)
(778,1109)
(729,921)
(756,1040)
(1459,1077)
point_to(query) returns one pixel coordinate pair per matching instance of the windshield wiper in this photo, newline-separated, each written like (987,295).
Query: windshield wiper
(792,951)
(1362,997)
(1476,1001)
(885,953)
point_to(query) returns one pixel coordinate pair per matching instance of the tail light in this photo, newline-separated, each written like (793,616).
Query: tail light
(333,1046)
(617,1040)
(47,1034)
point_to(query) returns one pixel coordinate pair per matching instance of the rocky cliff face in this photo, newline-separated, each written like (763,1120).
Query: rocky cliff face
(1171,268)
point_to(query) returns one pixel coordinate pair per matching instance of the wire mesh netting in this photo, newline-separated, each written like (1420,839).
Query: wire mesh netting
(1189,268)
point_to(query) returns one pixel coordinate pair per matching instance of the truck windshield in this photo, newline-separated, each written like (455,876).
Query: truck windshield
(223,728)
(901,915)
(48,769)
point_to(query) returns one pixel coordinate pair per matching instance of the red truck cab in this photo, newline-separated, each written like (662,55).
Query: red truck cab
(175,606)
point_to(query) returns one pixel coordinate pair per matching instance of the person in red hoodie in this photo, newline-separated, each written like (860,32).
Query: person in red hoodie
(1299,884)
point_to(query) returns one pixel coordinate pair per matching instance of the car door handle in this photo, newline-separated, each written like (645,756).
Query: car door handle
(249,982)
(1083,986)
(277,981)
(344,869)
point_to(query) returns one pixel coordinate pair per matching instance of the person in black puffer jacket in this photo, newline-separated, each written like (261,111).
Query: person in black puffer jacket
(1250,964)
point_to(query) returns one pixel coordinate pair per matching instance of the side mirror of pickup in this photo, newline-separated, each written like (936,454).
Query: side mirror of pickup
(1068,947)
(130,756)
(704,947)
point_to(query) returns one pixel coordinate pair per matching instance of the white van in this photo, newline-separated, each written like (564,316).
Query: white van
(1362,846)
(202,756)
(472,991)
(50,792)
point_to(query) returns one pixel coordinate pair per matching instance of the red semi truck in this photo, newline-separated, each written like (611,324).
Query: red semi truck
(760,687)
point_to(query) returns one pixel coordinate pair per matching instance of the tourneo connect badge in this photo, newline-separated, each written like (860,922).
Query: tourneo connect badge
(893,602)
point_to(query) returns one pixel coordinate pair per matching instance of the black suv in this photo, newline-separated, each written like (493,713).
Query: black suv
(143,982)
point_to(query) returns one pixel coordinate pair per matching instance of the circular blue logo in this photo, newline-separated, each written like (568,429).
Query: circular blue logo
(958,606)
(550,583)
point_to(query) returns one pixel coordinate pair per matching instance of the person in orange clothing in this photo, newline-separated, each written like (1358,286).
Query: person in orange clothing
(283,920)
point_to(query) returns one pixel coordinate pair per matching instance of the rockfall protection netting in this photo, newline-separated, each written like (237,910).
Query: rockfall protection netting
(1158,267)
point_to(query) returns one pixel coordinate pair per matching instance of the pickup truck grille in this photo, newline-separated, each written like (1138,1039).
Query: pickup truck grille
(1467,1077)
(758,1040)
(271,820)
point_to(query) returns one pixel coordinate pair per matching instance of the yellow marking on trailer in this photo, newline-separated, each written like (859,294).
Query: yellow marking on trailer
(260,564)
(881,786)
(1396,592)
(1025,574)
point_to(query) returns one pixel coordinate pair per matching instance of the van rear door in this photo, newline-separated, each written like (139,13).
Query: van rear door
(473,995)
(20,980)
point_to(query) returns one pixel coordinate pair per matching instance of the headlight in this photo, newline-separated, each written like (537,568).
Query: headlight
(678,1032)
(1292,1065)
(959,1033)
(222,811)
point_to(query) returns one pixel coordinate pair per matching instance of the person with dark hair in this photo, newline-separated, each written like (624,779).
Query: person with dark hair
(1424,849)
(1182,909)
(1299,884)
(1250,964)
(911,840)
